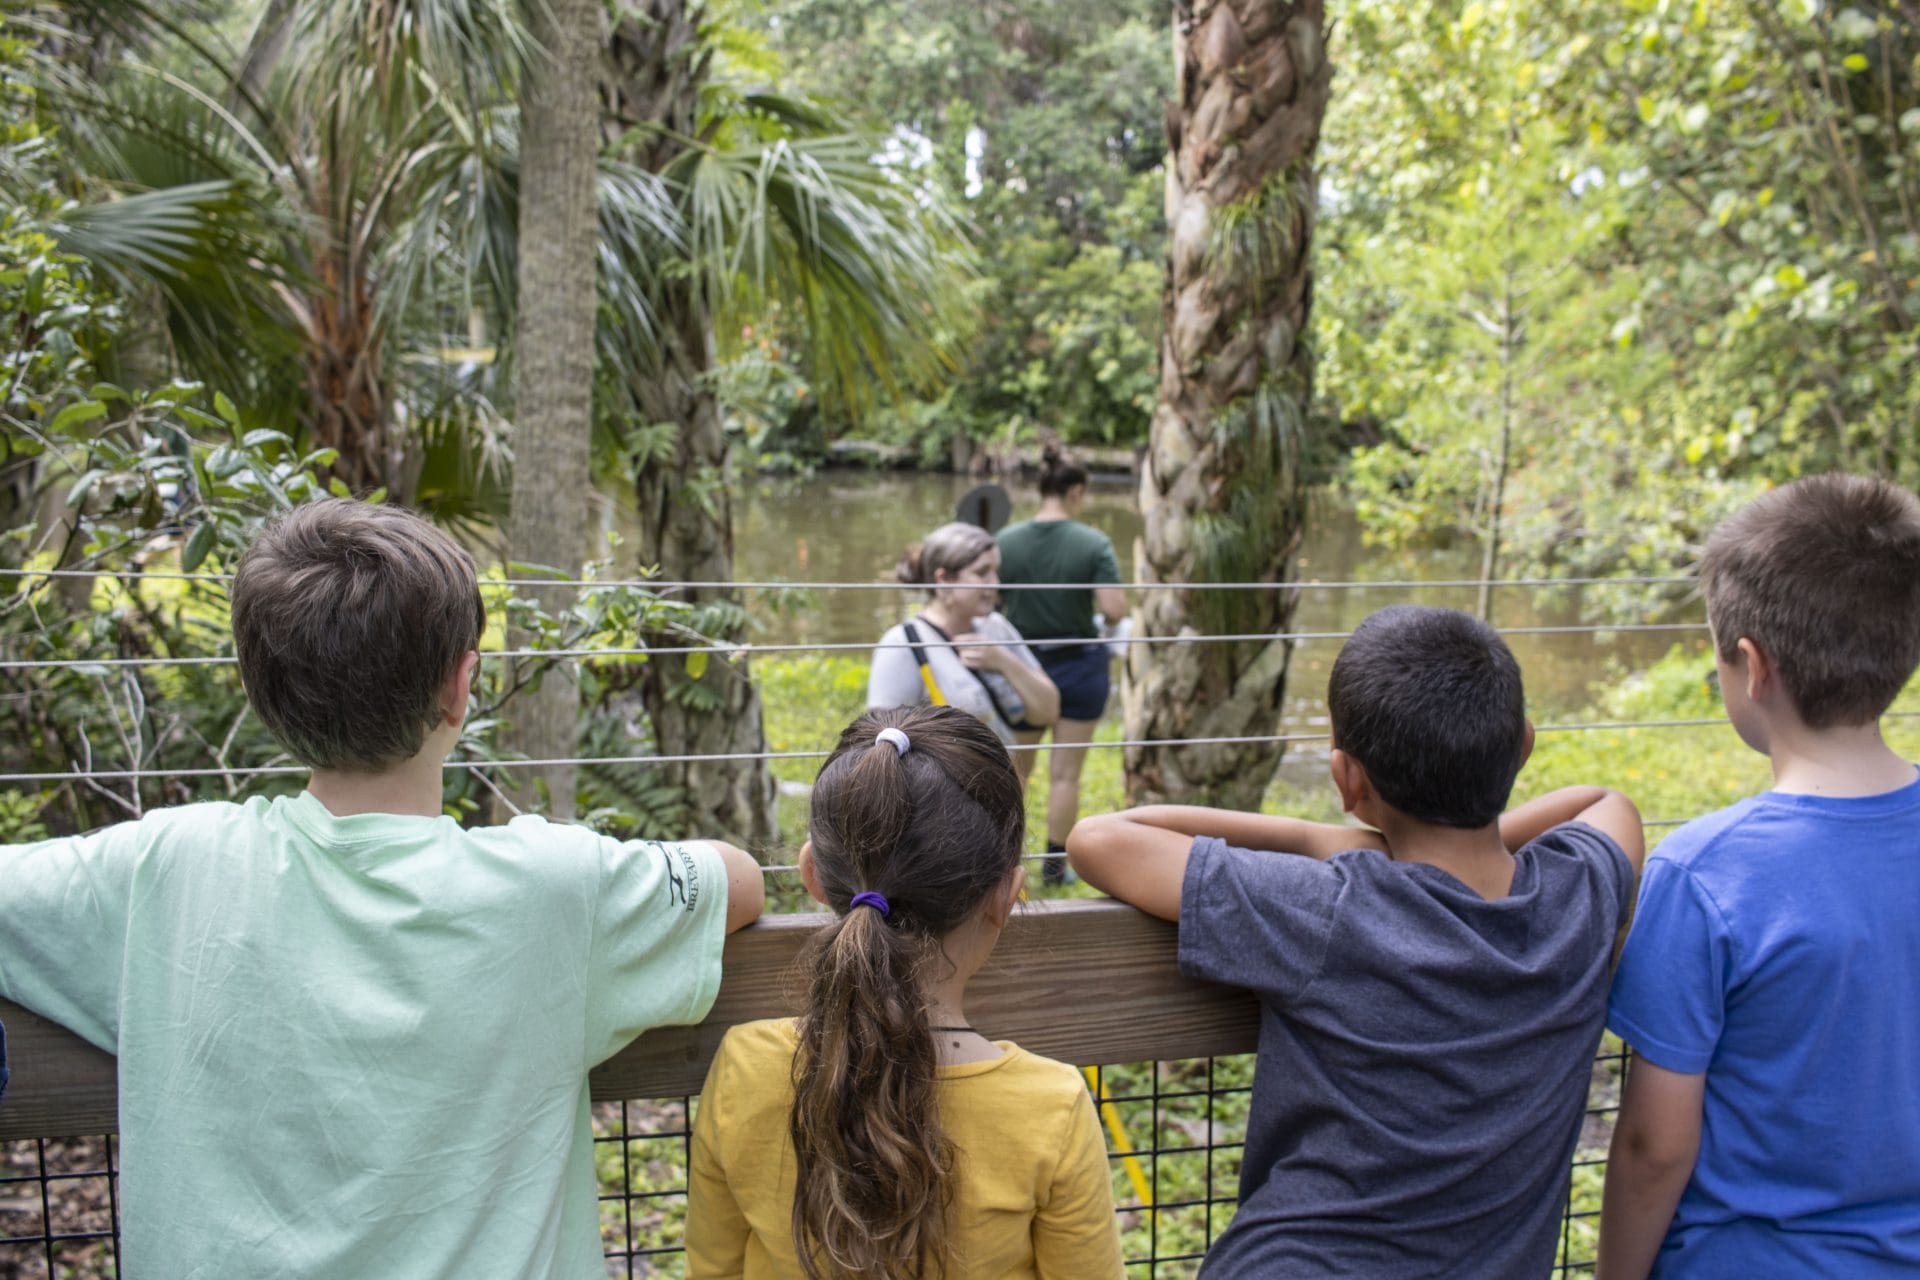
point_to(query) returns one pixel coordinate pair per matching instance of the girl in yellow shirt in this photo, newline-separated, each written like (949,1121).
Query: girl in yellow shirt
(920,1149)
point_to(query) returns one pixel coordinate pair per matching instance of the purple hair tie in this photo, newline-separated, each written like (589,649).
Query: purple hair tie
(871,899)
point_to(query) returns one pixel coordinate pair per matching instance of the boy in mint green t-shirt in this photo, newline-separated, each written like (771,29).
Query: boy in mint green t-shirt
(354,1037)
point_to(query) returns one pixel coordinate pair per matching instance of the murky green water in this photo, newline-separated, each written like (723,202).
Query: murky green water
(852,527)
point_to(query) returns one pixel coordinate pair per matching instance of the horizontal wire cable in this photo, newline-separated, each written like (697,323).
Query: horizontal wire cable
(1396,584)
(787,868)
(823,752)
(748,650)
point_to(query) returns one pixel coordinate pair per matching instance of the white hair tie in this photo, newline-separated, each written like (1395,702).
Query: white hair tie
(899,740)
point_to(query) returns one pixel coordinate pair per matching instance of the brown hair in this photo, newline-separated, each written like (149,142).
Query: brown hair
(1059,475)
(1823,575)
(951,547)
(935,830)
(348,618)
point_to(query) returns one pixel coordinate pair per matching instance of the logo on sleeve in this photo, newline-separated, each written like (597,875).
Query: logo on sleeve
(683,882)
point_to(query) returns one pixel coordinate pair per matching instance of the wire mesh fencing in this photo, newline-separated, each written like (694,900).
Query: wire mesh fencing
(1175,1131)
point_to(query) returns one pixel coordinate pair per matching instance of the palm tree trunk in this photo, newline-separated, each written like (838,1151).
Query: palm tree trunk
(1222,489)
(348,406)
(553,352)
(686,519)
(656,65)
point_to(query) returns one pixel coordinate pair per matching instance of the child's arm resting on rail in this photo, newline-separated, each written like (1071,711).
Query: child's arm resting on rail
(746,885)
(1140,855)
(1605,811)
(64,905)
(660,920)
(1655,1144)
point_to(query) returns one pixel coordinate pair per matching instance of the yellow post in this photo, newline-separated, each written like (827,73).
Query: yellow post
(1142,1189)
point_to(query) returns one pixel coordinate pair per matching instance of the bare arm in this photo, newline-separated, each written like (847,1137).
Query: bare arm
(1110,603)
(1655,1144)
(1140,856)
(746,886)
(1604,810)
(1033,686)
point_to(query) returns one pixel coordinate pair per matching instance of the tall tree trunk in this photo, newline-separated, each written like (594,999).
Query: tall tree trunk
(349,405)
(1222,488)
(553,351)
(271,32)
(1503,459)
(686,522)
(656,65)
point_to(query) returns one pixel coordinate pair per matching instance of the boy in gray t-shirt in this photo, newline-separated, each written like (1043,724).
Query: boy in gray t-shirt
(1431,990)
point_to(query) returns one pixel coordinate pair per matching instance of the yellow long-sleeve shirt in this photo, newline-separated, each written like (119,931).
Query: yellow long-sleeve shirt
(1032,1200)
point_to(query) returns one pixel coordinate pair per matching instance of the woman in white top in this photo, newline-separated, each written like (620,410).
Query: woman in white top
(937,657)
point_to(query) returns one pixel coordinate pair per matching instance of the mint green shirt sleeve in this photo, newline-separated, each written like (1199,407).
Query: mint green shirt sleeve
(659,924)
(63,927)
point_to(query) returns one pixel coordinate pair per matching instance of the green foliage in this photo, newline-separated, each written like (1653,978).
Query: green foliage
(20,812)
(1253,236)
(1672,773)
(96,477)
(1668,248)
(1044,130)
(1262,434)
(781,202)
(1775,206)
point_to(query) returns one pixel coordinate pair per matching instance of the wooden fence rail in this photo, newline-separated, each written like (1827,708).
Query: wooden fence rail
(1086,981)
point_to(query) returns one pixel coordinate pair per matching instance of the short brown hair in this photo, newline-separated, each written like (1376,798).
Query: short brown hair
(348,618)
(953,546)
(1823,575)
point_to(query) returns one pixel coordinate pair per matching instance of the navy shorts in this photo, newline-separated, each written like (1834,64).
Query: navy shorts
(1082,674)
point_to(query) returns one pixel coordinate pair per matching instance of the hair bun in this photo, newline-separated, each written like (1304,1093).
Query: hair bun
(908,571)
(1058,473)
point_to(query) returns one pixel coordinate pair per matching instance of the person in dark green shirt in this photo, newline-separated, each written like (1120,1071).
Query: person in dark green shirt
(1060,627)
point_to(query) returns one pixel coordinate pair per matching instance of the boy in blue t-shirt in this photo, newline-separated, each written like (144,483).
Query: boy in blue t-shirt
(1771,985)
(1431,991)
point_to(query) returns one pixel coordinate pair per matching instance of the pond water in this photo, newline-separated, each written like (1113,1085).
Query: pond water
(851,526)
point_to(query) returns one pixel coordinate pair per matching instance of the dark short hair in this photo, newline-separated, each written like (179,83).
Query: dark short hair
(1059,474)
(348,618)
(1430,702)
(1823,575)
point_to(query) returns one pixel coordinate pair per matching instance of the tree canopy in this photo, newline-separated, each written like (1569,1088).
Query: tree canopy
(1704,215)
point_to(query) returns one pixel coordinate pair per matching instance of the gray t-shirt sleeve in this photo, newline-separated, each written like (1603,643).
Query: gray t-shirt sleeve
(894,679)
(1604,859)
(1254,919)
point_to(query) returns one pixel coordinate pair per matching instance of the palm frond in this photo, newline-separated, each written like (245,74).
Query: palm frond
(179,202)
(874,267)
(155,234)
(475,49)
